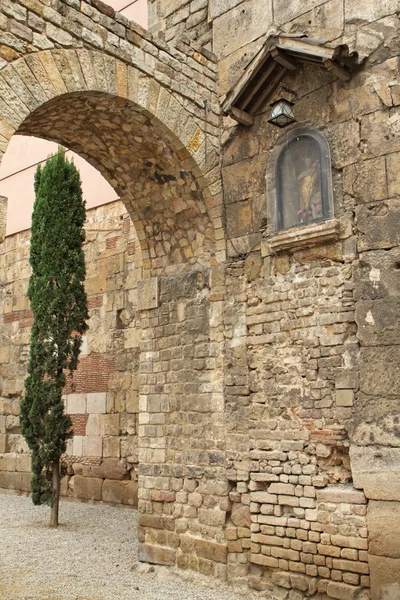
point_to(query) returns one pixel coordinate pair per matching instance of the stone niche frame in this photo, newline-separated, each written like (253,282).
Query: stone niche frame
(323,230)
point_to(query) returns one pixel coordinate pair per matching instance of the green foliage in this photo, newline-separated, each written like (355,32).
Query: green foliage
(59,306)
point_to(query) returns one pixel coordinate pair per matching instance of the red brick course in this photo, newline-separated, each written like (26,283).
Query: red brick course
(79,423)
(92,375)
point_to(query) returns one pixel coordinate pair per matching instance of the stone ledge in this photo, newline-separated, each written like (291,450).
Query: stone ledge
(303,237)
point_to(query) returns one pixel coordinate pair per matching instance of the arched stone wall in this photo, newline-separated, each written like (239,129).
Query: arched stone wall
(135,132)
(155,142)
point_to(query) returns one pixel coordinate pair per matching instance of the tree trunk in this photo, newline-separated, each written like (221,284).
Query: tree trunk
(56,494)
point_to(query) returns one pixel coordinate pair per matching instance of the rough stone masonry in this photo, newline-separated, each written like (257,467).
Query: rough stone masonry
(241,387)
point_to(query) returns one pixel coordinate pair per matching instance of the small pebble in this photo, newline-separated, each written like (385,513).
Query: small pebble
(77,560)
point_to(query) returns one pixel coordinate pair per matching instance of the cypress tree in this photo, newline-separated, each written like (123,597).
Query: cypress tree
(59,306)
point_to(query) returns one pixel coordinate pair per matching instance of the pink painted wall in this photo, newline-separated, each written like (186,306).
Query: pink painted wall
(24,153)
(135,11)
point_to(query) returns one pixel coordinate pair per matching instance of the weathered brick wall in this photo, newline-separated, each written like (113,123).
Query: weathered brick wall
(303,392)
(102,398)
(178,20)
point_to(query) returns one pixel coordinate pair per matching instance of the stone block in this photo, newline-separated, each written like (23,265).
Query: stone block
(77,445)
(379,372)
(240,25)
(23,462)
(242,180)
(181,286)
(376,275)
(231,68)
(8,462)
(377,471)
(378,225)
(88,488)
(383,522)
(129,447)
(10,480)
(346,541)
(92,446)
(239,220)
(120,492)
(350,565)
(93,426)
(211,550)
(16,443)
(380,133)
(156,522)
(282,488)
(366,180)
(211,517)
(110,424)
(342,591)
(345,494)
(240,515)
(132,401)
(111,446)
(157,555)
(96,402)
(132,338)
(287,11)
(378,321)
(299,582)
(76,404)
(344,397)
(147,293)
(219,7)
(324,20)
(282,579)
(344,140)
(393,174)
(384,577)
(358,12)
(110,468)
(25,485)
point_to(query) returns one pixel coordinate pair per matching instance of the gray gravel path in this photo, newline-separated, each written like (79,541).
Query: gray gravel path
(89,557)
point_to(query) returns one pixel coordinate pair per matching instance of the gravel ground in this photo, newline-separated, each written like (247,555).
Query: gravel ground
(89,557)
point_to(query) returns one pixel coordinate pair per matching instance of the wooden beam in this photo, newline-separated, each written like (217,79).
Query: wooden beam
(337,70)
(270,88)
(251,70)
(304,47)
(242,117)
(283,59)
(257,85)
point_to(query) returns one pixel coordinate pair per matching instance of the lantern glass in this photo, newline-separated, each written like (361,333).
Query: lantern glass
(282,113)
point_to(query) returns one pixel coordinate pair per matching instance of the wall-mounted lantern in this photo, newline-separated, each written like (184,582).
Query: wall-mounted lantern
(277,57)
(282,113)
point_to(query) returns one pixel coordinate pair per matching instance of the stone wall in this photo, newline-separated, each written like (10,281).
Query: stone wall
(179,21)
(102,399)
(311,397)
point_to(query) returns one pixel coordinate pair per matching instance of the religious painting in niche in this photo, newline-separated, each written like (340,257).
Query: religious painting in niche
(302,182)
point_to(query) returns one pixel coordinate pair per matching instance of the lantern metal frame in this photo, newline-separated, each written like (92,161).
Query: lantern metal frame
(282,114)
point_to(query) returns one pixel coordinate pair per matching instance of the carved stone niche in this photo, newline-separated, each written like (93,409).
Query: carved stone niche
(299,192)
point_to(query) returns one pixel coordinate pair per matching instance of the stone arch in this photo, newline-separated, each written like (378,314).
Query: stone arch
(139,135)
(83,98)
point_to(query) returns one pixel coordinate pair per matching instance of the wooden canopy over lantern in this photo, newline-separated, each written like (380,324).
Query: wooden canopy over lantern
(279,55)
